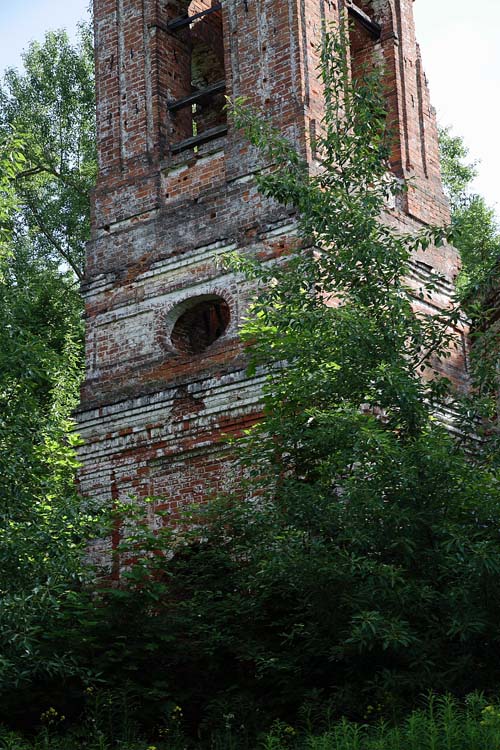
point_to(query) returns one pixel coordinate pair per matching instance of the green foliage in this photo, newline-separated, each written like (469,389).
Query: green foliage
(476,232)
(51,108)
(441,725)
(39,525)
(42,528)
(456,172)
(11,162)
(46,156)
(366,344)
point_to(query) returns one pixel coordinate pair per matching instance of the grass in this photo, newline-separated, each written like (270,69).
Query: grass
(442,724)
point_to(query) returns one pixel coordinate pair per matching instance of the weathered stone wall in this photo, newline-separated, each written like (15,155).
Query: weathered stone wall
(152,416)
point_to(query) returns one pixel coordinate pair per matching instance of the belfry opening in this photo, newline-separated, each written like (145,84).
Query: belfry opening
(197,86)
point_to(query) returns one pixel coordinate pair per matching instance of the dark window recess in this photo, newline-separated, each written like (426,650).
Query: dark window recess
(198,115)
(200,326)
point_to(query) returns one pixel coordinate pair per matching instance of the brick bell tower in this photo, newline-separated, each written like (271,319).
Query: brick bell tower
(165,372)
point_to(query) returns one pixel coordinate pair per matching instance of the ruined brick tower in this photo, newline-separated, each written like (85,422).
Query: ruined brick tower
(165,370)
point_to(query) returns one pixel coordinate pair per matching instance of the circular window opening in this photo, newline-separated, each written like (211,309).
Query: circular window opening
(200,325)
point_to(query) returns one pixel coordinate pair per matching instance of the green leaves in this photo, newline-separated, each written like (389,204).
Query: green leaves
(47,164)
(51,109)
(371,630)
(12,161)
(476,235)
(474,224)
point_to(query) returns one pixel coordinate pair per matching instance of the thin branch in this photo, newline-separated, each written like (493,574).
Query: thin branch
(29,172)
(46,168)
(57,245)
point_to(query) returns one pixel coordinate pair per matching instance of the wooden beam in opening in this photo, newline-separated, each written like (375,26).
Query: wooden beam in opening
(373,28)
(196,96)
(198,140)
(179,23)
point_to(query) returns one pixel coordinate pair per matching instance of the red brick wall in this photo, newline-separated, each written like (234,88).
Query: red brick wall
(161,221)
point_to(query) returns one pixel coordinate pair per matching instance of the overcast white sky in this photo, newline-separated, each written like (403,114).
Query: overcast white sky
(460,44)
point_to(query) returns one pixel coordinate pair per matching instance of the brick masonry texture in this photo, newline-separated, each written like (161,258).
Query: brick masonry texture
(152,415)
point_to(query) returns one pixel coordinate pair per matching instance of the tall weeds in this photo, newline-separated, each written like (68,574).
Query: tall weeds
(441,724)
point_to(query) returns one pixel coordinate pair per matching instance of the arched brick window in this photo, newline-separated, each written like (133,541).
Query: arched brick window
(196,75)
